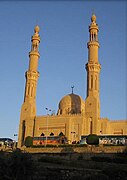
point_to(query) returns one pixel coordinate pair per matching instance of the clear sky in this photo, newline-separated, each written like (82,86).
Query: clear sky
(63,55)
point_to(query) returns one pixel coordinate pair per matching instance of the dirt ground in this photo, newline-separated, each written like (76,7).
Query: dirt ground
(18,165)
(81,166)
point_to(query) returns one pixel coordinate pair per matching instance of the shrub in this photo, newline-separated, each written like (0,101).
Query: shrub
(67,149)
(101,159)
(28,141)
(3,164)
(80,157)
(21,165)
(115,172)
(92,139)
(16,166)
(49,159)
(51,145)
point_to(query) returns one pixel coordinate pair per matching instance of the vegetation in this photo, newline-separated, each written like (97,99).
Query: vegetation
(92,139)
(28,141)
(67,150)
(20,165)
(49,159)
(16,166)
(80,157)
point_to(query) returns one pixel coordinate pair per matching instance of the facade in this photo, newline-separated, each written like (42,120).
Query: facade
(75,116)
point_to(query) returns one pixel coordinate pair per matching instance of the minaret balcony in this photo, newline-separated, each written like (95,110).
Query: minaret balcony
(35,38)
(34,53)
(93,43)
(93,67)
(32,75)
(93,26)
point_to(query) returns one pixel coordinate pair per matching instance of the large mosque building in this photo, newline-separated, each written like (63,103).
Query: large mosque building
(75,116)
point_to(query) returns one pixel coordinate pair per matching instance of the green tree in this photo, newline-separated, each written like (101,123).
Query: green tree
(28,141)
(92,139)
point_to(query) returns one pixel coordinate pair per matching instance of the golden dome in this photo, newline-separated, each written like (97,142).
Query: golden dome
(93,18)
(71,104)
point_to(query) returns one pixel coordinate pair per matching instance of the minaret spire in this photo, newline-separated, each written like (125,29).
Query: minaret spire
(34,53)
(72,87)
(32,74)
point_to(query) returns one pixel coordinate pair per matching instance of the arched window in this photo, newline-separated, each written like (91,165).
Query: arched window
(28,88)
(91,126)
(91,81)
(42,134)
(23,131)
(61,134)
(95,82)
(51,134)
(32,89)
(95,37)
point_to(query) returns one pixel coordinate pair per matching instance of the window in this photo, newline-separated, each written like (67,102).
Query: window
(42,134)
(91,81)
(51,134)
(95,82)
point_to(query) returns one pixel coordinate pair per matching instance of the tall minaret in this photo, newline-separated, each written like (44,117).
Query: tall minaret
(28,110)
(93,73)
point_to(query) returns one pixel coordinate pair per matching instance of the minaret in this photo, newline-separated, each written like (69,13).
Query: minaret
(93,73)
(93,67)
(28,110)
(32,74)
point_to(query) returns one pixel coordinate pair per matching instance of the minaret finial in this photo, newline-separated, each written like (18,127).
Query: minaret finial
(72,88)
(35,39)
(92,11)
(93,19)
(36,29)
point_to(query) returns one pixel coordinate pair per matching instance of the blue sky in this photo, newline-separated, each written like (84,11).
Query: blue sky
(63,55)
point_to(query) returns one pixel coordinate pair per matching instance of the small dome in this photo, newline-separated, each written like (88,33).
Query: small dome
(36,29)
(71,104)
(93,18)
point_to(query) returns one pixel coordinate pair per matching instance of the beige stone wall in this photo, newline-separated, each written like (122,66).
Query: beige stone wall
(87,149)
(92,113)
(104,126)
(118,127)
(71,125)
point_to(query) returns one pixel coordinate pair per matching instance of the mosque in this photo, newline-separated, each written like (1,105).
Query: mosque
(75,116)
